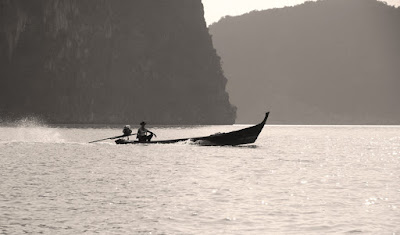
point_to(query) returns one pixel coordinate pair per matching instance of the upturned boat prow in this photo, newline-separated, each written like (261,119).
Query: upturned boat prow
(244,136)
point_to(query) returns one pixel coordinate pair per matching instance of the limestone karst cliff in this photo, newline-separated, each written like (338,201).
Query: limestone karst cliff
(323,62)
(110,61)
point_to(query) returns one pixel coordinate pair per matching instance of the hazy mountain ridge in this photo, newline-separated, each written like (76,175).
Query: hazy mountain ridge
(325,62)
(101,61)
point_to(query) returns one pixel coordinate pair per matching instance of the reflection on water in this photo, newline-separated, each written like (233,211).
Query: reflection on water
(294,179)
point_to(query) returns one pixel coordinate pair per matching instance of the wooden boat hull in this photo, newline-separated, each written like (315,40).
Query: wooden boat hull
(244,136)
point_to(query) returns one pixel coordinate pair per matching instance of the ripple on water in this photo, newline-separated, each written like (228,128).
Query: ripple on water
(304,180)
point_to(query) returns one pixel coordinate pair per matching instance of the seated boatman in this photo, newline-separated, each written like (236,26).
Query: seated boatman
(127,131)
(142,133)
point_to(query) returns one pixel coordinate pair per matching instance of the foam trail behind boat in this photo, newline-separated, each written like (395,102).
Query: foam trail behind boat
(30,129)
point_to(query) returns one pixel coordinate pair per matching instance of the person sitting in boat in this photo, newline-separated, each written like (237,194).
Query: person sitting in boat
(142,133)
(127,131)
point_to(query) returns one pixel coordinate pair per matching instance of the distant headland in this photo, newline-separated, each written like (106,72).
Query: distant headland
(324,62)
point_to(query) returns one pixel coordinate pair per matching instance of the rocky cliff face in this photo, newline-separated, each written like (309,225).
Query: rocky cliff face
(324,62)
(103,61)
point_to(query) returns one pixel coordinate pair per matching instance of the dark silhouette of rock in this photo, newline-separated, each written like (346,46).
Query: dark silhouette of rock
(325,62)
(110,61)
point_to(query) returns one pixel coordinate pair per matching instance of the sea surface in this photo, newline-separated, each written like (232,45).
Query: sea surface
(293,180)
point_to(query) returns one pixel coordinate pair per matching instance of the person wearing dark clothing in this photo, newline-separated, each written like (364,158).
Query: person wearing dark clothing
(127,131)
(142,133)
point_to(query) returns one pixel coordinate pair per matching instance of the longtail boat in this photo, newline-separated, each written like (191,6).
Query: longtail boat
(244,136)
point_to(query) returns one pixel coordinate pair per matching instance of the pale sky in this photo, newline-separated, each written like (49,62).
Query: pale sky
(215,9)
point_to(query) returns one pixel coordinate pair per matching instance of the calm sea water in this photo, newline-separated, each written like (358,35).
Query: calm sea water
(293,180)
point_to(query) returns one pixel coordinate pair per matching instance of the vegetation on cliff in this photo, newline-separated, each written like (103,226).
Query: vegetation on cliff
(325,62)
(103,61)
